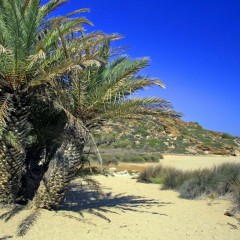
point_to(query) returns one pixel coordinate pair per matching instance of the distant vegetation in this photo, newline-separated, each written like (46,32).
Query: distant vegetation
(167,135)
(127,156)
(219,181)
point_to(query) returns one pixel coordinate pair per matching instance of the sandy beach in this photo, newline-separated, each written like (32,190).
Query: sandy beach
(132,210)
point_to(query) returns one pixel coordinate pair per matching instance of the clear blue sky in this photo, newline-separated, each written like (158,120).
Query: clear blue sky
(194,46)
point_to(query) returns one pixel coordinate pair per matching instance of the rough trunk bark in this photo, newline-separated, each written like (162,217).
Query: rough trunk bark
(12,149)
(62,170)
(43,156)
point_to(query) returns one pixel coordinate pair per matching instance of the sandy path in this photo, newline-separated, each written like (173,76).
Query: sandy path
(133,216)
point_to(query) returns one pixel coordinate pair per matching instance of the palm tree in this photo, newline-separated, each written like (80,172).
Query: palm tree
(34,51)
(89,97)
(57,83)
(106,91)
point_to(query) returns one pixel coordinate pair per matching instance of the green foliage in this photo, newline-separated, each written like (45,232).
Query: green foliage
(26,38)
(133,158)
(152,142)
(227,136)
(12,140)
(142,130)
(101,91)
(125,143)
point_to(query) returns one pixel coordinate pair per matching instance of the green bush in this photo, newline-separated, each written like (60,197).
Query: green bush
(152,157)
(124,143)
(142,131)
(153,142)
(227,136)
(132,158)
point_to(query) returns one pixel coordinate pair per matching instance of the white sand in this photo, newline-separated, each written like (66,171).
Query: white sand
(196,162)
(132,215)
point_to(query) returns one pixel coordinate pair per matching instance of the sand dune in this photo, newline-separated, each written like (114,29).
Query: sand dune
(129,210)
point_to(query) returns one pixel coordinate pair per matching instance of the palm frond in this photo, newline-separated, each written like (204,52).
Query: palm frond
(82,10)
(134,107)
(12,140)
(48,8)
(65,28)
(5,107)
(118,76)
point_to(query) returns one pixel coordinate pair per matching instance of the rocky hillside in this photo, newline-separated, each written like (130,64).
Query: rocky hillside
(166,136)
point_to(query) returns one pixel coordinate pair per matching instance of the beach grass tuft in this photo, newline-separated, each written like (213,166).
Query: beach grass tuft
(222,180)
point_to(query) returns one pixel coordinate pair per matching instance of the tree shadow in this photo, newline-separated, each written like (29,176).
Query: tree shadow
(6,237)
(82,198)
(79,198)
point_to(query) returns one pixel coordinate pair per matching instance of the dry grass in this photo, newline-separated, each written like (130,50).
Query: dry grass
(130,167)
(222,180)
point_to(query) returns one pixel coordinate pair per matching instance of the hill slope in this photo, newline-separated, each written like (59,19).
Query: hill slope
(166,135)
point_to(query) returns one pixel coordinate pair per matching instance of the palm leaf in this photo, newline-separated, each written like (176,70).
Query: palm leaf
(5,107)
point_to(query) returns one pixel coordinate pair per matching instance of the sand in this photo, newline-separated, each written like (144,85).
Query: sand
(196,162)
(131,210)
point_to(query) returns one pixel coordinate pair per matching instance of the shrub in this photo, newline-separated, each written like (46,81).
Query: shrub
(150,173)
(227,136)
(196,184)
(220,180)
(153,142)
(124,143)
(170,178)
(142,131)
(192,188)
(132,158)
(152,157)
(222,176)
(236,194)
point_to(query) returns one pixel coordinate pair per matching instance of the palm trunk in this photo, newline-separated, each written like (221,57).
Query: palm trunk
(12,149)
(62,170)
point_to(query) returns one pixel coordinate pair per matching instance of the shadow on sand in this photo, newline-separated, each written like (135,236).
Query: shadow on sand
(81,199)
